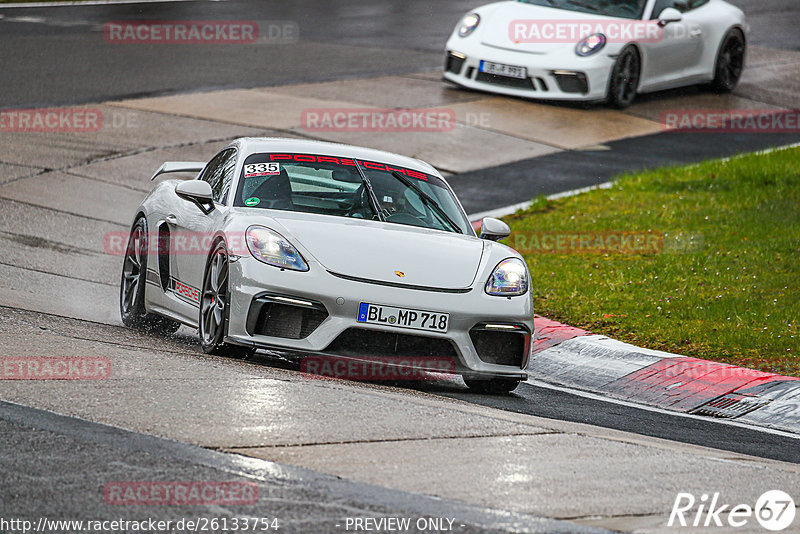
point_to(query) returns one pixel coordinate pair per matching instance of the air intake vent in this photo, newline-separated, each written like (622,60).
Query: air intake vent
(360,342)
(494,79)
(270,317)
(500,347)
(454,63)
(571,82)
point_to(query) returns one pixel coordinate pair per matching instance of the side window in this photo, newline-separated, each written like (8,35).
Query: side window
(227,176)
(219,173)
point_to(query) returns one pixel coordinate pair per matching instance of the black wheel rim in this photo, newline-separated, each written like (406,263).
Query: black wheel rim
(132,269)
(627,77)
(215,293)
(731,61)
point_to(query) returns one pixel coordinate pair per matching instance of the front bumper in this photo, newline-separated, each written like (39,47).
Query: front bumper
(329,323)
(557,76)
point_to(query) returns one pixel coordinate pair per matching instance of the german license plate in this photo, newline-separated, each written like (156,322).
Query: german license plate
(403,317)
(500,69)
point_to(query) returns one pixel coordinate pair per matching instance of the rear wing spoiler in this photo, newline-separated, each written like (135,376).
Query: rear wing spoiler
(179,166)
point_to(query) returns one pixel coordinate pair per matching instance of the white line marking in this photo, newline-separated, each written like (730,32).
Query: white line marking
(757,153)
(769,150)
(598,397)
(508,210)
(32,20)
(573,192)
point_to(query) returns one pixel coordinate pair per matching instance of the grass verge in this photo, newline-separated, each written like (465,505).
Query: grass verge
(702,260)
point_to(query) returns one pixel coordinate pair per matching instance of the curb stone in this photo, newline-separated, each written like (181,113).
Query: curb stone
(573,357)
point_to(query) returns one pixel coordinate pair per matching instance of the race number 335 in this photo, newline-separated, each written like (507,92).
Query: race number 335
(262,169)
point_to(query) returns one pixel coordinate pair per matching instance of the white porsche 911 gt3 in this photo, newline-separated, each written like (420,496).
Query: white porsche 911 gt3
(595,50)
(327,249)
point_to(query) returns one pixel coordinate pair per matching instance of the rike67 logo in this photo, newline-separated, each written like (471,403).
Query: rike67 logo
(774,511)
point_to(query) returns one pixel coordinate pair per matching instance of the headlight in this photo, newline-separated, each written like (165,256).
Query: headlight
(274,249)
(591,45)
(468,24)
(509,279)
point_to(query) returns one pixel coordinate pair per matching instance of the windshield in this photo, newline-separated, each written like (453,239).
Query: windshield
(330,185)
(624,9)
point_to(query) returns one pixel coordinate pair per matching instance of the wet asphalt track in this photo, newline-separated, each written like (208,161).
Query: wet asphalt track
(55,56)
(50,57)
(563,404)
(53,60)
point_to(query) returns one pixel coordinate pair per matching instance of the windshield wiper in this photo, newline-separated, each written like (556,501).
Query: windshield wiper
(429,201)
(373,200)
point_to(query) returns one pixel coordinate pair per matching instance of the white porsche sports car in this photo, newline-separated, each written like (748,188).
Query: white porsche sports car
(595,50)
(327,249)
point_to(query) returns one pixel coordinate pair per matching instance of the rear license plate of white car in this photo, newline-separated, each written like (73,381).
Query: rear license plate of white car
(500,69)
(403,317)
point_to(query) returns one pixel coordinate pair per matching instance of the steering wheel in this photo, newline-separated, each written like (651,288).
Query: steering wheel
(360,202)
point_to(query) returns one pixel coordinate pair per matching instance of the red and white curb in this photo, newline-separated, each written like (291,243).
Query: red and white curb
(575,358)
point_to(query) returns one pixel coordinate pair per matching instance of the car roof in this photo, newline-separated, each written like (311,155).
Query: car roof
(253,145)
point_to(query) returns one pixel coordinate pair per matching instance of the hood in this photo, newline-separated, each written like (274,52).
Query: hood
(495,33)
(374,250)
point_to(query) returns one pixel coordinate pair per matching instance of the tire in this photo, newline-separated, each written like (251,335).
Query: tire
(215,307)
(624,80)
(730,62)
(132,285)
(493,386)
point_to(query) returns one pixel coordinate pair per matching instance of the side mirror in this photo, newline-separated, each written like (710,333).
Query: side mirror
(494,229)
(197,191)
(668,16)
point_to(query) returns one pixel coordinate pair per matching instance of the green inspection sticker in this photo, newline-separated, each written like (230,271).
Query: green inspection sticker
(252,201)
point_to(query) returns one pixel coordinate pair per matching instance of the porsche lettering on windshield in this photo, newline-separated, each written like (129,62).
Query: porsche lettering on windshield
(310,158)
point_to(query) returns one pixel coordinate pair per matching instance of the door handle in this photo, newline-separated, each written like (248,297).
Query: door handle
(695,33)
(172,219)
